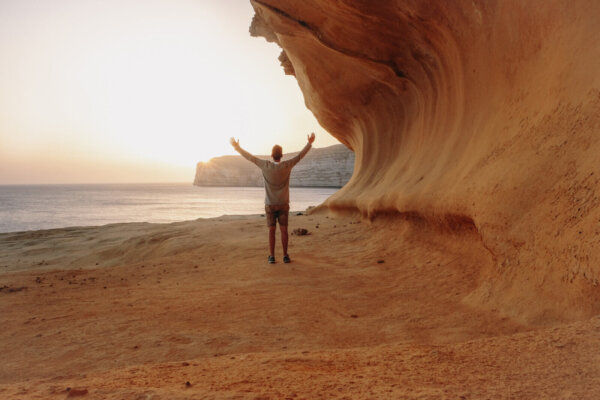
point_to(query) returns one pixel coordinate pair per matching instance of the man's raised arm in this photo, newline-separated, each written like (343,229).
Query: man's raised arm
(244,153)
(303,152)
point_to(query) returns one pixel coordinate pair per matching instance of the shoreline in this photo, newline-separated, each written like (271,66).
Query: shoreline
(73,227)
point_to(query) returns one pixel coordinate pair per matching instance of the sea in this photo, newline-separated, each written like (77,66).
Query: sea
(34,207)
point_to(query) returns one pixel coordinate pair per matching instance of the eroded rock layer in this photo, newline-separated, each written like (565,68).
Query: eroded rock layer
(325,167)
(481,112)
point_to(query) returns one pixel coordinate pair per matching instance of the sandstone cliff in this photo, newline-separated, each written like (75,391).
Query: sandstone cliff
(325,167)
(480,114)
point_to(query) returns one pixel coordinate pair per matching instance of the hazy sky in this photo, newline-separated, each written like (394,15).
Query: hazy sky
(138,90)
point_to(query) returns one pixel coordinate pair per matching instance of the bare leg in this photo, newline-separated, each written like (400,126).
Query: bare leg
(284,238)
(272,240)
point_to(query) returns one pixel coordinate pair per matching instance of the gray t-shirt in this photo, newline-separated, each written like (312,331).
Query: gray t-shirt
(276,176)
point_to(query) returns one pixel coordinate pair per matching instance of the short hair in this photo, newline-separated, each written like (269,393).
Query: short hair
(277,152)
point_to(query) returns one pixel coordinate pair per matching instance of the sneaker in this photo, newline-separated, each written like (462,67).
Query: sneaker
(271,260)
(286,259)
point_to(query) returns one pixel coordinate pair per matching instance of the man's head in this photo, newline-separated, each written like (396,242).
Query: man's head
(277,153)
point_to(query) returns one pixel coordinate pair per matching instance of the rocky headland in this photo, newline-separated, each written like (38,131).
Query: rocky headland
(322,167)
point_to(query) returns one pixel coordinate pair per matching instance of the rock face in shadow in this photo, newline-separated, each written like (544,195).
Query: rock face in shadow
(325,167)
(466,110)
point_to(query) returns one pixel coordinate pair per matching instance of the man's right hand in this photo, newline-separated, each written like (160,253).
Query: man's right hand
(235,143)
(311,138)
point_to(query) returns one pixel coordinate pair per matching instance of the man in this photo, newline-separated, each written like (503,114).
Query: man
(276,176)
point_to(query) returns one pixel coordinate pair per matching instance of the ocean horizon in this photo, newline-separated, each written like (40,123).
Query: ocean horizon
(26,207)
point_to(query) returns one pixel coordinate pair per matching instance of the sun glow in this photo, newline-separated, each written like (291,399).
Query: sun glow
(161,84)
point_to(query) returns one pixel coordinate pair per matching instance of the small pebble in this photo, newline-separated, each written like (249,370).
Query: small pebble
(77,392)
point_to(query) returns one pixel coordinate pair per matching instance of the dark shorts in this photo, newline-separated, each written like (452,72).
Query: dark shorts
(277,213)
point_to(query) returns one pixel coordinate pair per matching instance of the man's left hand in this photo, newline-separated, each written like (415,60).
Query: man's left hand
(311,138)
(235,143)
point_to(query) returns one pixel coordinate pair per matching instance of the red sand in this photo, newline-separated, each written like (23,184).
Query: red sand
(365,310)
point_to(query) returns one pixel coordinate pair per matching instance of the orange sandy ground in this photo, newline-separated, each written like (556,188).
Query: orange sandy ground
(365,310)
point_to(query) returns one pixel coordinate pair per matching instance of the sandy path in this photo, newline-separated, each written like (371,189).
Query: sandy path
(363,310)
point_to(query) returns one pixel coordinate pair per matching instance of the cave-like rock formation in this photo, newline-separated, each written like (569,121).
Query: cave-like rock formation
(322,167)
(468,111)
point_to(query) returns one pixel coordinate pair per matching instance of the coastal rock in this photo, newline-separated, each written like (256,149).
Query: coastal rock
(322,167)
(300,232)
(469,115)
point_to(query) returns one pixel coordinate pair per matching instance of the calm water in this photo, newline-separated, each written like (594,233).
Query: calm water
(32,207)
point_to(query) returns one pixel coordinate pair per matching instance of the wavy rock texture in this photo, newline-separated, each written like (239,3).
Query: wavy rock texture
(474,113)
(325,167)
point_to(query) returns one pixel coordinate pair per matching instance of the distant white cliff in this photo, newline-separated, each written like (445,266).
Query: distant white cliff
(324,167)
